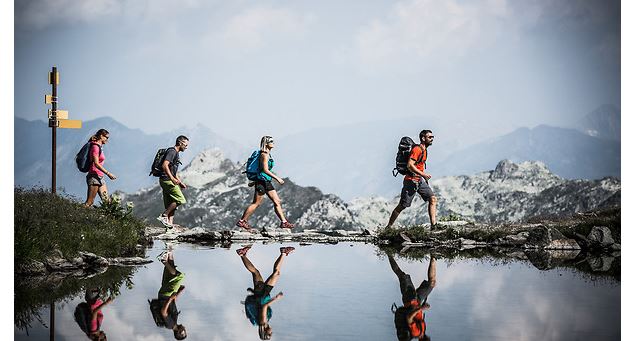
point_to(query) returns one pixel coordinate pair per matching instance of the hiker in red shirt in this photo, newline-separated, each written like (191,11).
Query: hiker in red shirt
(96,172)
(409,318)
(417,181)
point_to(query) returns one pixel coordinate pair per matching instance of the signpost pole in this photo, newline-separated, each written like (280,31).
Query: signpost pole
(53,125)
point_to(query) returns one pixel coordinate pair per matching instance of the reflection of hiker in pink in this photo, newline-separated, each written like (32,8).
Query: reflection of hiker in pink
(163,308)
(89,317)
(258,304)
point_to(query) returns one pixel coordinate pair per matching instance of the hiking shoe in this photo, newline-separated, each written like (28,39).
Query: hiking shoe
(287,250)
(243,251)
(244,225)
(165,221)
(286,225)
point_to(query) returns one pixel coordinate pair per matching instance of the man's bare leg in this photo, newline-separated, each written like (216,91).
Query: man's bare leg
(394,215)
(432,211)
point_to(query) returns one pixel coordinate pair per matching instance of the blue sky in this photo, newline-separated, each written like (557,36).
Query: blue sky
(248,67)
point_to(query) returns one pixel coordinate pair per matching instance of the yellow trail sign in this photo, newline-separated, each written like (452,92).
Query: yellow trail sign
(69,124)
(60,114)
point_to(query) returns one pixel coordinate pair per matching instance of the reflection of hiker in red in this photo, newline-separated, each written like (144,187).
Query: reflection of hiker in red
(89,317)
(258,304)
(409,318)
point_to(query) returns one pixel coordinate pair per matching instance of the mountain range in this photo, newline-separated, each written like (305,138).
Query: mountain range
(348,161)
(219,193)
(129,153)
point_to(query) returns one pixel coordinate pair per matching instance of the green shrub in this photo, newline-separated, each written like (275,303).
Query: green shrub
(45,221)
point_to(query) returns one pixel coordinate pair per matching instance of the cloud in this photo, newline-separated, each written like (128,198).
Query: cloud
(420,34)
(254,28)
(41,14)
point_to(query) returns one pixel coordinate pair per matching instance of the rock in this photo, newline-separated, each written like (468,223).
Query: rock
(199,233)
(549,238)
(55,262)
(600,236)
(31,268)
(340,233)
(514,240)
(616,247)
(600,264)
(128,261)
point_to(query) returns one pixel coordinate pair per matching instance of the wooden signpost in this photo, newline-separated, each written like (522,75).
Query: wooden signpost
(57,119)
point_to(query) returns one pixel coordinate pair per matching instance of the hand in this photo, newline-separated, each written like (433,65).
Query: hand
(280,181)
(427,176)
(182,185)
(111,176)
(108,300)
(181,288)
(176,182)
(279,295)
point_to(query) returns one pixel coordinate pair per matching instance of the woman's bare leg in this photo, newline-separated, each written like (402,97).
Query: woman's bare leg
(277,204)
(91,193)
(257,200)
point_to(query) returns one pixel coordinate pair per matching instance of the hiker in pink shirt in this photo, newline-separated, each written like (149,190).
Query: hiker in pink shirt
(95,176)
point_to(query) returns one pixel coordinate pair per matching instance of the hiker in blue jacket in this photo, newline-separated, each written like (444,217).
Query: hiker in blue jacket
(263,185)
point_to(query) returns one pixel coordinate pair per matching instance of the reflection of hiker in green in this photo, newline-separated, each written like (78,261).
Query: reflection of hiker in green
(163,308)
(89,317)
(409,318)
(258,304)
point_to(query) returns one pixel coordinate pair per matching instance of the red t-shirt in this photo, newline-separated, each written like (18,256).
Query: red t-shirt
(418,325)
(94,151)
(415,154)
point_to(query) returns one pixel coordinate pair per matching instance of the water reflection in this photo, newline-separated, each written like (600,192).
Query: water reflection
(409,318)
(89,315)
(163,308)
(258,303)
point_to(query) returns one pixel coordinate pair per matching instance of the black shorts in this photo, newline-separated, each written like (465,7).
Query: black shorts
(263,187)
(261,289)
(410,188)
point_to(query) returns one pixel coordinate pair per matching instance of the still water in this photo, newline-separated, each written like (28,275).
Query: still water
(345,292)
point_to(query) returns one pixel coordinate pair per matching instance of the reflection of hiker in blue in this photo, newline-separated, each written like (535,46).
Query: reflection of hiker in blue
(258,304)
(89,317)
(409,318)
(163,308)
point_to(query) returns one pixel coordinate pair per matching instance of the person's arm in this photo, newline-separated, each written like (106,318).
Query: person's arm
(173,297)
(411,167)
(264,165)
(180,182)
(95,158)
(263,310)
(412,315)
(95,311)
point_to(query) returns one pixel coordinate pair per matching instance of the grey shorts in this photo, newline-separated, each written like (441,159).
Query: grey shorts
(408,291)
(94,180)
(410,188)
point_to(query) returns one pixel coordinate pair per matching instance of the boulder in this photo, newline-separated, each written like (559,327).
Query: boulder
(600,236)
(549,238)
(128,261)
(549,259)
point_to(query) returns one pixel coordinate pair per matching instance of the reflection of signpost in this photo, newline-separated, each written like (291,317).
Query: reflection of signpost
(57,119)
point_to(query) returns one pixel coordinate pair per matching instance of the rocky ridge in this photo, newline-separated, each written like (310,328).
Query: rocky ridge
(512,192)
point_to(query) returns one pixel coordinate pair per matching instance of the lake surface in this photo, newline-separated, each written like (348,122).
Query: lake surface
(345,292)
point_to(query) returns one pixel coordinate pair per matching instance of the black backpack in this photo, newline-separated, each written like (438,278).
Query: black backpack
(156,168)
(82,159)
(403,154)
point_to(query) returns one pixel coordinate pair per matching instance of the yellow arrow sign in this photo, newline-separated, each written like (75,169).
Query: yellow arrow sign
(69,124)
(49,99)
(61,114)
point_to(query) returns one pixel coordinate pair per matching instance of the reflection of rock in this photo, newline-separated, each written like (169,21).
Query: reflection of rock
(514,240)
(31,268)
(601,263)
(550,239)
(600,236)
(549,259)
(127,261)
